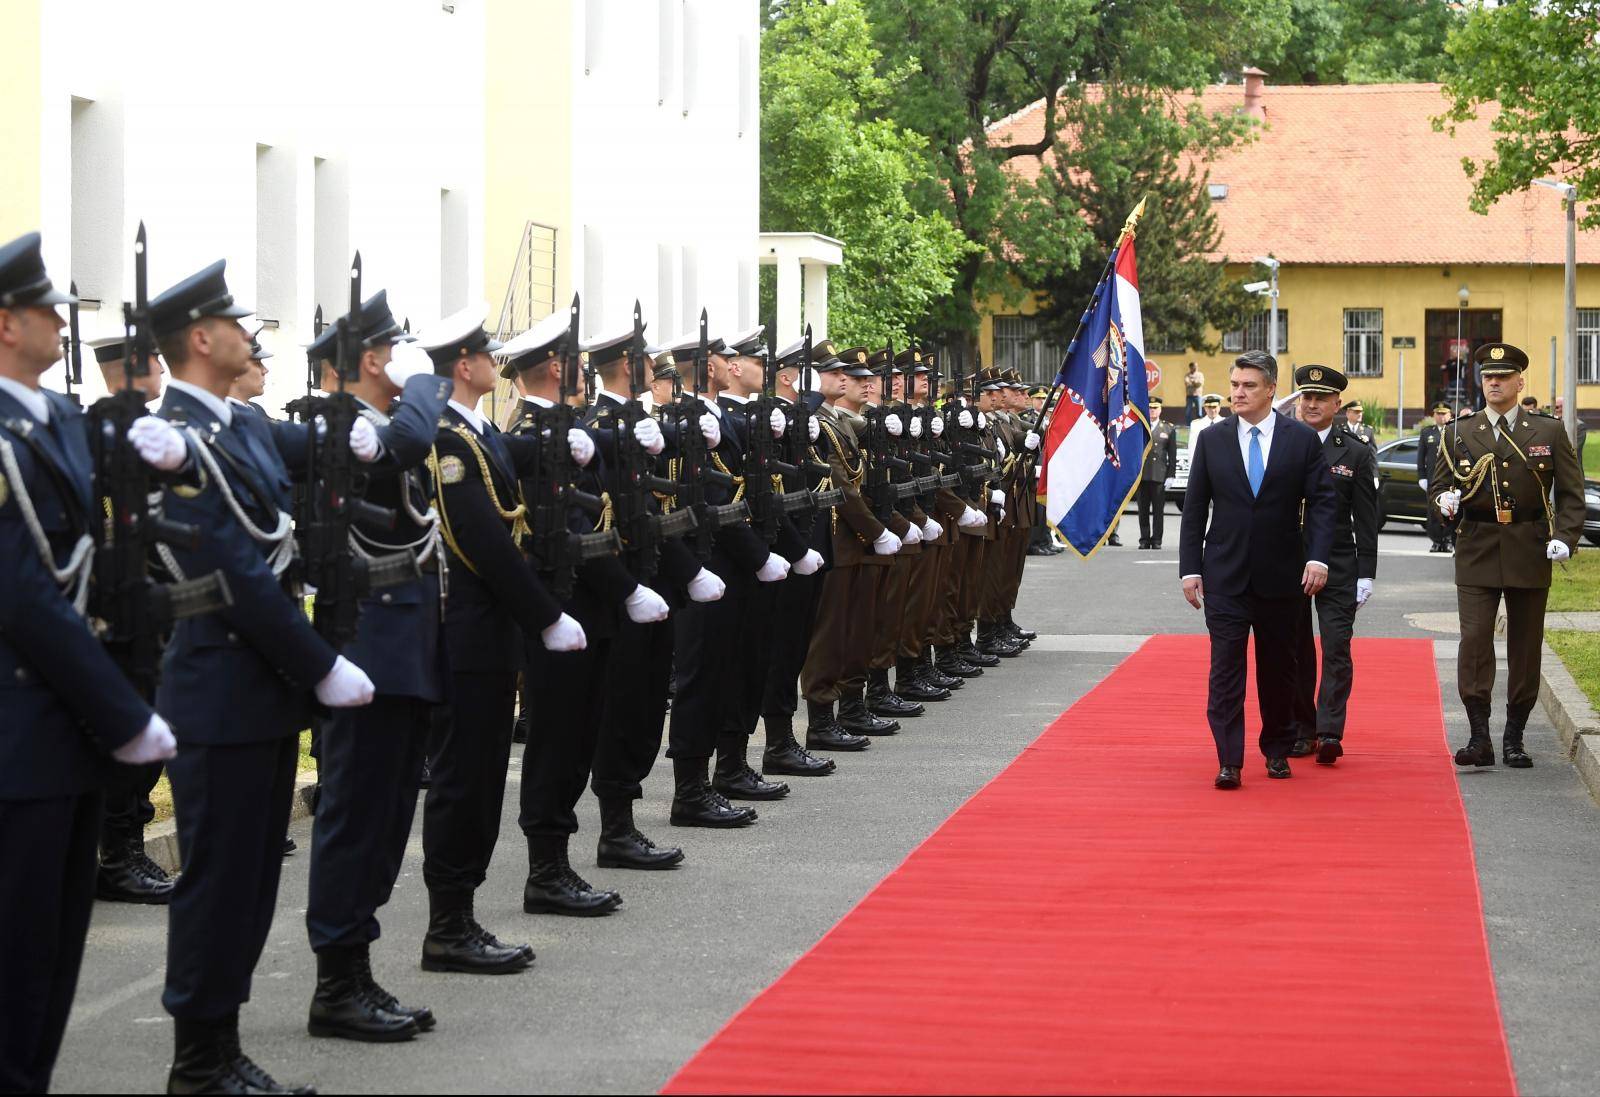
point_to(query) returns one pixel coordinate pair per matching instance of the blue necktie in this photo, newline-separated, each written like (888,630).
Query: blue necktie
(1258,467)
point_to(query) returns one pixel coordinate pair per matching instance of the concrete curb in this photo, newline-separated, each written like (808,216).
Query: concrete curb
(1575,720)
(161,839)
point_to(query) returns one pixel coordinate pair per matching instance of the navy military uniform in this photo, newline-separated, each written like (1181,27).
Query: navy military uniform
(1319,708)
(1441,537)
(55,734)
(1160,465)
(1362,431)
(370,758)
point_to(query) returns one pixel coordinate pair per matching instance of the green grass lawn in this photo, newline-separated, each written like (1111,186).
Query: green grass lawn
(1580,651)
(1575,588)
(1591,461)
(161,795)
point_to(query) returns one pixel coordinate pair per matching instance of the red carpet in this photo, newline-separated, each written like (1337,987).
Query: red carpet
(1099,919)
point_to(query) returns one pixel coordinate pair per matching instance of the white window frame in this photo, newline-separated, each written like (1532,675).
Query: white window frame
(1363,342)
(1587,356)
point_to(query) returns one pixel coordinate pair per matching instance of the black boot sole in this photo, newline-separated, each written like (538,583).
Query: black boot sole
(109,895)
(782,770)
(706,824)
(641,866)
(1519,763)
(569,912)
(852,748)
(510,967)
(731,793)
(325,1030)
(1479,763)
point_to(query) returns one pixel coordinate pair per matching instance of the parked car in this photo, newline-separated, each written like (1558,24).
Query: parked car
(1180,482)
(1400,497)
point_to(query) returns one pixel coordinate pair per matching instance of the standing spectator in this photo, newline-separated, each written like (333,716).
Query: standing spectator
(1193,382)
(1559,409)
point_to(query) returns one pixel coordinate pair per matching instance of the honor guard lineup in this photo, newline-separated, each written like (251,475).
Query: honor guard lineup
(675,539)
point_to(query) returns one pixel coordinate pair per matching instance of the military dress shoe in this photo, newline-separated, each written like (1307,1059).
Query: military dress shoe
(1278,768)
(128,875)
(998,645)
(1144,544)
(831,736)
(1115,541)
(1016,631)
(790,759)
(1329,751)
(696,804)
(1512,752)
(951,663)
(1228,777)
(1302,747)
(422,1015)
(1039,550)
(892,705)
(289,846)
(207,1058)
(456,942)
(744,783)
(554,888)
(976,656)
(342,1006)
(932,673)
(911,683)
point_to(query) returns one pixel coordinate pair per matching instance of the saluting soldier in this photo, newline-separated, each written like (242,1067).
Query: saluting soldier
(69,711)
(1512,483)
(1160,466)
(243,678)
(1439,534)
(370,758)
(1319,710)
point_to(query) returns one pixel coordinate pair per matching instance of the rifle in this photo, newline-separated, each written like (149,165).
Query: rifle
(878,485)
(972,457)
(764,469)
(332,500)
(943,459)
(72,348)
(695,468)
(551,493)
(800,454)
(132,612)
(641,529)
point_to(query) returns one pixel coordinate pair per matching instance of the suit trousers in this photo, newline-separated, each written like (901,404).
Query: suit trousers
(232,805)
(461,814)
(1475,669)
(1319,707)
(371,763)
(128,808)
(567,690)
(842,640)
(1152,498)
(706,658)
(634,715)
(1231,618)
(792,621)
(47,873)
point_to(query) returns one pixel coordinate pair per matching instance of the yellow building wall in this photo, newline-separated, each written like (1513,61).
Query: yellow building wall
(1531,302)
(22,121)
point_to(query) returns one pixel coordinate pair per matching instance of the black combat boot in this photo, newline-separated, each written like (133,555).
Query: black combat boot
(1020,633)
(623,846)
(128,875)
(883,701)
(422,1015)
(786,756)
(1511,752)
(734,778)
(824,733)
(696,804)
(933,675)
(854,716)
(1479,750)
(950,662)
(553,888)
(912,683)
(992,642)
(343,1007)
(456,942)
(967,651)
(207,1059)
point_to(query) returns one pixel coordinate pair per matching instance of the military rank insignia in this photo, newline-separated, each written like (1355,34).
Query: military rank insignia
(1538,451)
(452,470)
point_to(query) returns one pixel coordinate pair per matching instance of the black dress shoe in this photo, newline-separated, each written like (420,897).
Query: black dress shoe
(1115,541)
(1228,777)
(553,888)
(743,783)
(1302,747)
(289,846)
(1039,550)
(1144,544)
(1278,768)
(790,759)
(1155,544)
(128,875)
(1329,751)
(422,1015)
(456,942)
(342,1007)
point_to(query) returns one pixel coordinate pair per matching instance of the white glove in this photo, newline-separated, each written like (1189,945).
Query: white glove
(813,427)
(916,427)
(648,432)
(406,361)
(808,564)
(345,686)
(581,445)
(645,606)
(997,497)
(565,635)
(964,419)
(913,535)
(1000,516)
(158,443)
(887,544)
(892,424)
(972,518)
(711,430)
(364,440)
(154,744)
(1363,592)
(999,448)
(1030,441)
(1422,482)
(1557,551)
(706,586)
(774,569)
(777,422)
(1449,502)
(983,421)
(938,425)
(1167,483)
(931,530)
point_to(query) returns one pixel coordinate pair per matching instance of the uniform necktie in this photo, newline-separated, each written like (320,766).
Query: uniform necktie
(1257,468)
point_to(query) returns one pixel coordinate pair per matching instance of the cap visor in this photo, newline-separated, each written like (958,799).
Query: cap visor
(234,312)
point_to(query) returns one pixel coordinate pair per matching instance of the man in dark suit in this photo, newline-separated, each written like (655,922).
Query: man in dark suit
(1250,570)
(1440,536)
(1160,466)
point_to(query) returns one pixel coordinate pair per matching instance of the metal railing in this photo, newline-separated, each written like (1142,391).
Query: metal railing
(530,297)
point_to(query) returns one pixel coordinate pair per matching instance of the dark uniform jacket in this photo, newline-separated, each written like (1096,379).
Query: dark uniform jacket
(1535,462)
(1161,463)
(1353,466)
(245,673)
(64,704)
(854,526)
(1427,451)
(1364,432)
(791,544)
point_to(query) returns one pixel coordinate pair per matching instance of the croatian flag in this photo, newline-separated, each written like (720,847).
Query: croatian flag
(1099,431)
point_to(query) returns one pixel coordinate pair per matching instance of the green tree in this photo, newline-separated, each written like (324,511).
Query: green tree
(1537,64)
(832,162)
(1365,42)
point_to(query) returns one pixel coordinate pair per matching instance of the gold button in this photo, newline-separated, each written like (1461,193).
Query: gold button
(1505,464)
(1505,483)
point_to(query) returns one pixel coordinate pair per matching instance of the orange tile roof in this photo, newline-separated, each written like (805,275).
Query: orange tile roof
(1356,174)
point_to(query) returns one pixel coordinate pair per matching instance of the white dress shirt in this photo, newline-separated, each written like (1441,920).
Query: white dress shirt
(36,402)
(208,400)
(1266,439)
(470,415)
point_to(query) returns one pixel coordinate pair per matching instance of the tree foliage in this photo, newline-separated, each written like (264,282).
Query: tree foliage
(1365,42)
(833,162)
(1539,64)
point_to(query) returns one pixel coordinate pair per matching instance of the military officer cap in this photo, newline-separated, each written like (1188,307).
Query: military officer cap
(746,344)
(1155,401)
(1441,405)
(1210,399)
(910,361)
(110,348)
(1499,359)
(1322,379)
(793,355)
(1014,379)
(666,367)
(1348,404)
(378,328)
(1040,392)
(258,352)
(609,348)
(459,334)
(854,361)
(23,281)
(202,295)
(990,378)
(536,345)
(687,346)
(825,357)
(878,359)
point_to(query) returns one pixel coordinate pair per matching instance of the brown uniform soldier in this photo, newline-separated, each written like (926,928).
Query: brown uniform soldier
(1513,481)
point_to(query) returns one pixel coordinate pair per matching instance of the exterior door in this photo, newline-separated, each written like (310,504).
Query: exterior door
(1452,337)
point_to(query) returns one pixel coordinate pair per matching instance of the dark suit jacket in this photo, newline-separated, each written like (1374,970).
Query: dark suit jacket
(1253,543)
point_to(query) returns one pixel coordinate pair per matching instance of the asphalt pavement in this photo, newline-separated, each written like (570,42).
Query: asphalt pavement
(618,1003)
